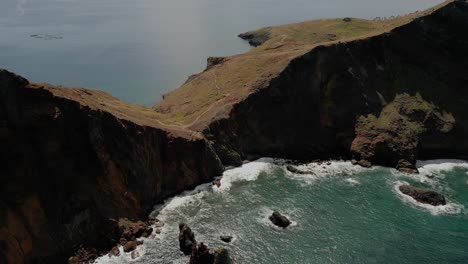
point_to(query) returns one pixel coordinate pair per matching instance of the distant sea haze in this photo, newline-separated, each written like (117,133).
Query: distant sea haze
(138,50)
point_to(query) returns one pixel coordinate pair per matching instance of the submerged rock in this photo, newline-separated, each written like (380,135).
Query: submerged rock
(226,239)
(187,242)
(423,195)
(279,220)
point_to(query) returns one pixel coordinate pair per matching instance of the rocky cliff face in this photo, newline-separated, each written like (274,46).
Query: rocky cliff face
(72,159)
(396,96)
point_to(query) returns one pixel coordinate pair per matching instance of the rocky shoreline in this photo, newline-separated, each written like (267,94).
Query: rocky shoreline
(88,158)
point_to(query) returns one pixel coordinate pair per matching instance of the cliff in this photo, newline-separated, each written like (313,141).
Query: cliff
(73,158)
(386,91)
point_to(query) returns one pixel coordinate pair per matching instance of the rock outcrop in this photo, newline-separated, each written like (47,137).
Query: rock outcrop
(423,195)
(73,159)
(381,98)
(187,242)
(279,220)
(201,254)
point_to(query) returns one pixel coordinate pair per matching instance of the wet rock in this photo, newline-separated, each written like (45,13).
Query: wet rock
(159,224)
(226,238)
(114,252)
(158,231)
(130,246)
(187,241)
(354,162)
(295,170)
(364,163)
(423,195)
(84,255)
(406,167)
(217,183)
(221,256)
(201,255)
(135,254)
(147,232)
(279,220)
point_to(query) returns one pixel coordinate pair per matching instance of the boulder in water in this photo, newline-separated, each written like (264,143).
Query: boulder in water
(295,170)
(187,242)
(279,220)
(226,239)
(131,245)
(221,256)
(423,195)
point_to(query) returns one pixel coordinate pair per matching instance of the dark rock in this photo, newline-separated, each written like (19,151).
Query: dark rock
(295,170)
(279,220)
(201,255)
(423,195)
(115,252)
(364,163)
(187,240)
(354,162)
(84,255)
(130,246)
(217,183)
(158,231)
(406,167)
(213,61)
(256,38)
(226,238)
(347,19)
(221,256)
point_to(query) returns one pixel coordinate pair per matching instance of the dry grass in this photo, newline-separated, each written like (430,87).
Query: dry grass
(211,93)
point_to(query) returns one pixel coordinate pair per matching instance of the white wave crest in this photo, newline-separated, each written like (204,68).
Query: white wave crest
(320,170)
(449,208)
(247,172)
(437,167)
(352,182)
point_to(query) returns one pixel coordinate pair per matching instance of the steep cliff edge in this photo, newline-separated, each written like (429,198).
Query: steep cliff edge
(74,158)
(312,93)
(386,91)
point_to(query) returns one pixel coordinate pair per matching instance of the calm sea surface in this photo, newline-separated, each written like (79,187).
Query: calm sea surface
(139,49)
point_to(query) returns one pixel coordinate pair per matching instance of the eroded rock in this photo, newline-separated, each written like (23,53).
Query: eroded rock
(279,220)
(423,195)
(226,238)
(187,241)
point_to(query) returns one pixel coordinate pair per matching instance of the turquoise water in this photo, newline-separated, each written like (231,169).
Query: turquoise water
(139,49)
(341,214)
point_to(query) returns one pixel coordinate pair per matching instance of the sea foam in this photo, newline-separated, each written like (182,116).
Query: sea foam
(319,170)
(247,172)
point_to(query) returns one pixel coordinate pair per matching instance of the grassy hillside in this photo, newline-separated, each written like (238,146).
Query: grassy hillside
(211,94)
